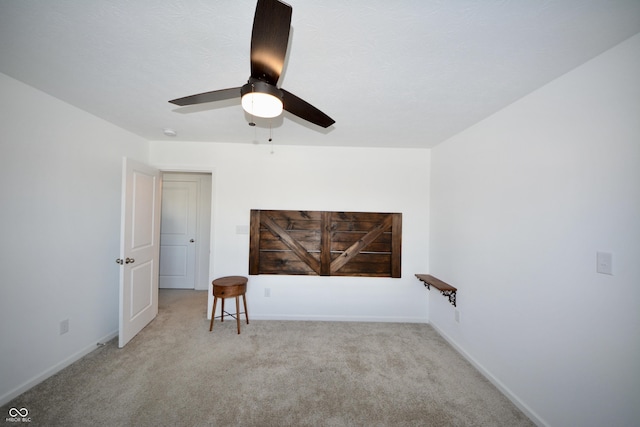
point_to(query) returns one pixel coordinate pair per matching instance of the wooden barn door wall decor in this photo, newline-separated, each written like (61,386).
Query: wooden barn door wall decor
(325,243)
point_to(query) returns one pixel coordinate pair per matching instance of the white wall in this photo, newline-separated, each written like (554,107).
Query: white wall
(520,205)
(60,229)
(248,176)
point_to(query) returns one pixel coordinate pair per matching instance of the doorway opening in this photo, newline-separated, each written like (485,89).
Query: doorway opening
(185,230)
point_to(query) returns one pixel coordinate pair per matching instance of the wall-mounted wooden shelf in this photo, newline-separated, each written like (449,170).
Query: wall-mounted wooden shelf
(445,289)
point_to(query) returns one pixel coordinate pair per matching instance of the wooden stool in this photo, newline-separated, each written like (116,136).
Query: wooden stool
(229,287)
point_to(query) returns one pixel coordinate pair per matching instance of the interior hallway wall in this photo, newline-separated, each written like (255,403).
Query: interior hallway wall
(61,170)
(520,205)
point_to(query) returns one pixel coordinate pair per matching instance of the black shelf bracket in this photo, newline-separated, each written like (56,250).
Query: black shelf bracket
(445,289)
(451,295)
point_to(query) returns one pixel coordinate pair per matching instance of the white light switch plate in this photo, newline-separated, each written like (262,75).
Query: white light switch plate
(604,263)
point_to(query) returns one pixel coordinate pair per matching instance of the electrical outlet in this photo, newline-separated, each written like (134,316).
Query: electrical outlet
(457,316)
(64,326)
(267,292)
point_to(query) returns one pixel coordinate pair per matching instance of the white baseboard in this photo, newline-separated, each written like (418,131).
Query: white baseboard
(339,318)
(7,397)
(499,385)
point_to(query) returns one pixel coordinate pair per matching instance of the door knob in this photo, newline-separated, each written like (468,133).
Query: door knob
(119,261)
(129,261)
(192,240)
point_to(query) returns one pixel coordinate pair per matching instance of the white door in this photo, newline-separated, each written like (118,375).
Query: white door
(178,234)
(139,248)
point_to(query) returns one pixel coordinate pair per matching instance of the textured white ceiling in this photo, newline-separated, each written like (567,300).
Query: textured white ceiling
(408,73)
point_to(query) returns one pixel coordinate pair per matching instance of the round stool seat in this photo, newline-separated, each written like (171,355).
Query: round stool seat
(230,287)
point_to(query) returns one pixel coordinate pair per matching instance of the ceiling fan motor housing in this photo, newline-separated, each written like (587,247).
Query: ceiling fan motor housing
(255,85)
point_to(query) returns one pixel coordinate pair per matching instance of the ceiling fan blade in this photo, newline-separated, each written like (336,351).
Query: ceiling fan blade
(304,110)
(201,98)
(269,39)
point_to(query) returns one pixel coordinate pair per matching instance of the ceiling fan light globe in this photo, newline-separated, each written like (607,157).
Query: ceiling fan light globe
(262,104)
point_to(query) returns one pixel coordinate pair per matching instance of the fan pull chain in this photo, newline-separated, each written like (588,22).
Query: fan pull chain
(271,135)
(252,122)
(255,131)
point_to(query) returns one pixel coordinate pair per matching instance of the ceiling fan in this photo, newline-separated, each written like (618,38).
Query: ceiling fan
(260,95)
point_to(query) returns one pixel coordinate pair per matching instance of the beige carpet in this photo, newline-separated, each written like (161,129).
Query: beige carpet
(276,373)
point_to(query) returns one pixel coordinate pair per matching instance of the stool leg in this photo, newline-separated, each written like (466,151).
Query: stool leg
(213,313)
(238,312)
(222,311)
(246,313)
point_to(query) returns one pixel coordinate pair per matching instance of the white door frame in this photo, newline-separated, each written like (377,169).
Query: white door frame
(183,169)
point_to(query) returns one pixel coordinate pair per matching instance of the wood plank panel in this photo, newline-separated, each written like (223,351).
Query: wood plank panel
(396,246)
(309,240)
(254,242)
(325,243)
(293,244)
(363,241)
(293,215)
(372,264)
(283,263)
